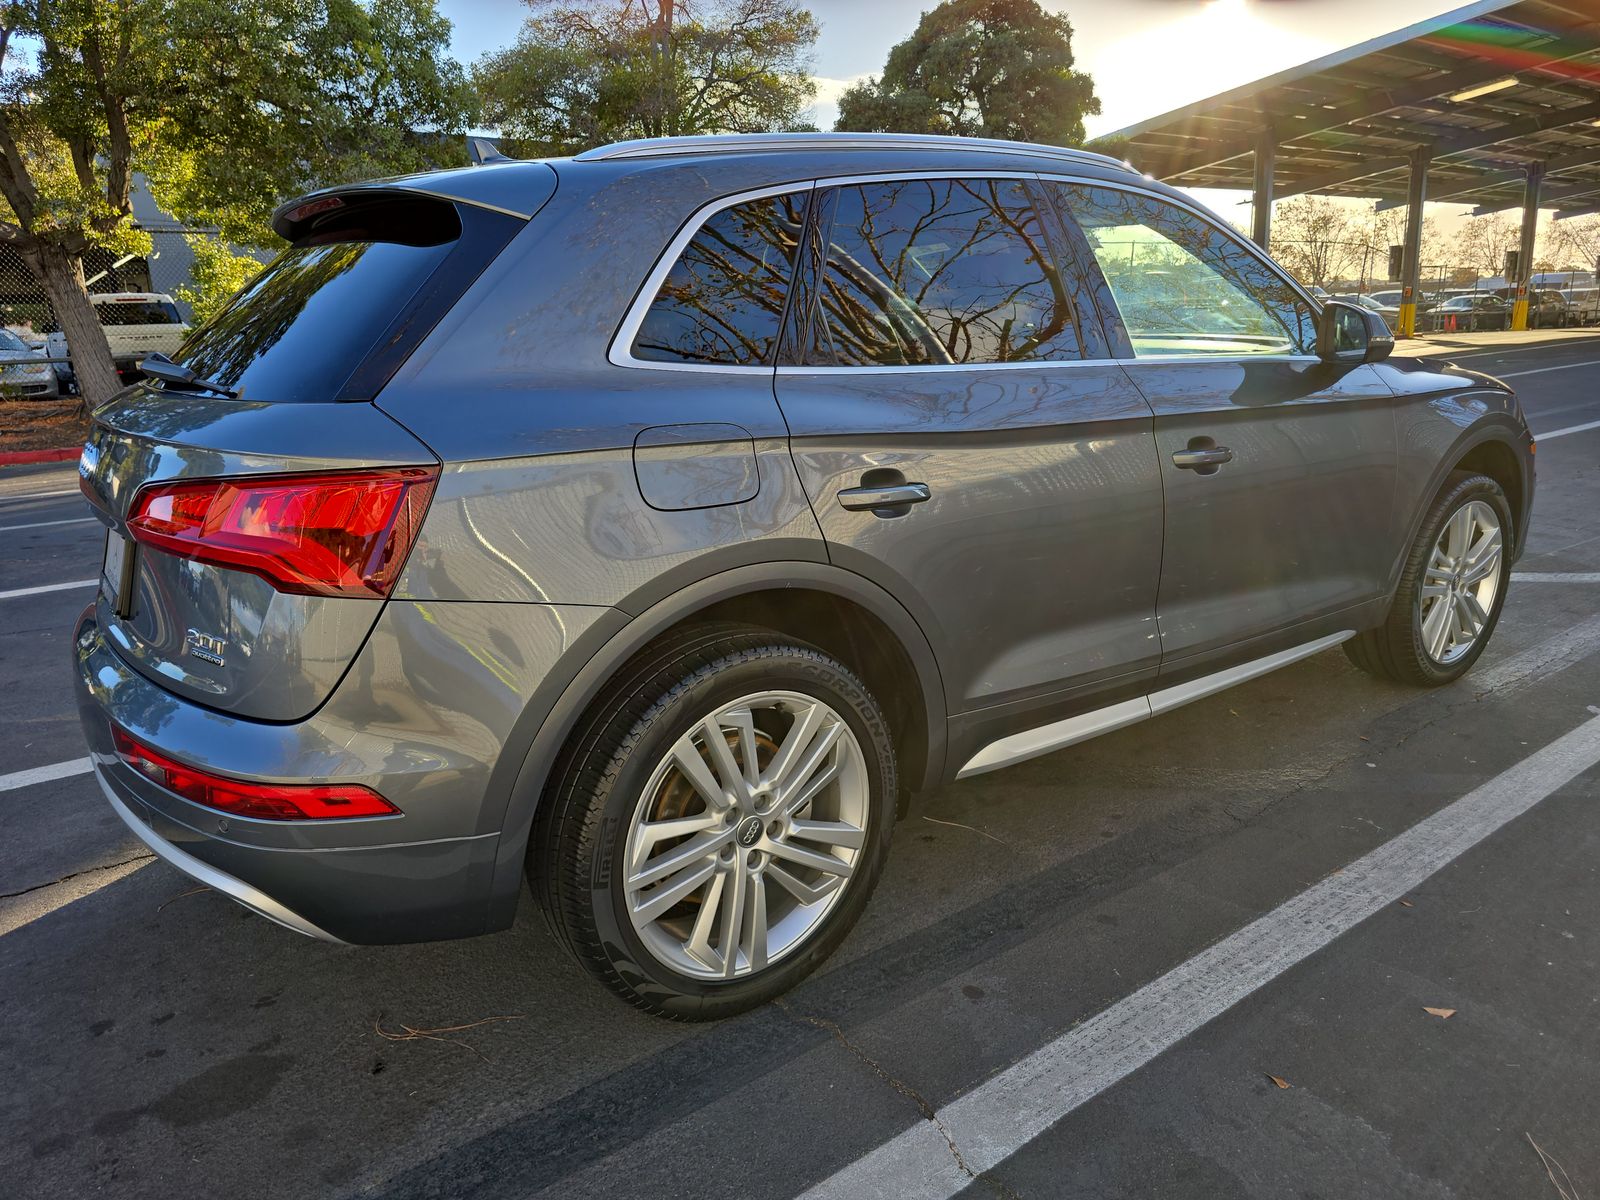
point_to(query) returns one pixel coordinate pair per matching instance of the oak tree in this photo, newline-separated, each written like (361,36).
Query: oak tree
(585,72)
(978,68)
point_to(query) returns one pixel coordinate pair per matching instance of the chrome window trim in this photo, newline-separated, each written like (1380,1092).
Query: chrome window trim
(619,353)
(1154,360)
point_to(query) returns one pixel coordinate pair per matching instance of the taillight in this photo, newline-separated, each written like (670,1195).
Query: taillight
(268,801)
(343,533)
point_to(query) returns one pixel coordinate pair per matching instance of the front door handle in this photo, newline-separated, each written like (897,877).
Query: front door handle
(1205,461)
(891,496)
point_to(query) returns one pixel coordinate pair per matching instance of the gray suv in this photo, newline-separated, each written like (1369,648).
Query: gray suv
(654,524)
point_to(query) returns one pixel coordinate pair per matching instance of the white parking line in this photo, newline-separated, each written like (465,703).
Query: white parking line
(47,587)
(7,496)
(1555,433)
(996,1119)
(60,770)
(16,592)
(1542,370)
(42,524)
(1555,577)
(1536,663)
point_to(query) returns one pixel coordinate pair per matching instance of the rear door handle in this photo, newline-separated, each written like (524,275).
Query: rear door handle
(896,495)
(1204,461)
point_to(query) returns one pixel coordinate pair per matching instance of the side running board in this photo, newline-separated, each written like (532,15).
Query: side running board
(1031,743)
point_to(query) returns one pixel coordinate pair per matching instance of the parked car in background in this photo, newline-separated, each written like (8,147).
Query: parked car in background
(135,324)
(1390,314)
(1548,309)
(1583,306)
(653,524)
(1470,313)
(1390,299)
(22,375)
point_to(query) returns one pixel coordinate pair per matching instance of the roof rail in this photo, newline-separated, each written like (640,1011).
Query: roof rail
(753,143)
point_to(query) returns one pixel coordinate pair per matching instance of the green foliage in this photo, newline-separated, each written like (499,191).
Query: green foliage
(979,68)
(585,72)
(283,97)
(227,108)
(216,275)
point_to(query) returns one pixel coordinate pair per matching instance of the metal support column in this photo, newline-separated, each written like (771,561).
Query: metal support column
(1530,227)
(1261,194)
(1411,264)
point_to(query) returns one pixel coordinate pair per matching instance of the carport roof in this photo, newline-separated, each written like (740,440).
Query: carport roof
(1344,124)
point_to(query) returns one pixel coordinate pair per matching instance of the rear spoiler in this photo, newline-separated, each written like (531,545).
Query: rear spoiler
(517,189)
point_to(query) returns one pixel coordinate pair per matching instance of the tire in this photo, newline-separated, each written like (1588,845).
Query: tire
(620,778)
(1404,647)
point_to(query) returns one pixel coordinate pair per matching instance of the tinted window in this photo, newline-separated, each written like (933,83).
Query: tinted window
(1182,285)
(940,271)
(10,341)
(316,324)
(137,312)
(723,300)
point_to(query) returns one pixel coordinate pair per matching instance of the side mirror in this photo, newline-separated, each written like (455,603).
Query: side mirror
(1350,334)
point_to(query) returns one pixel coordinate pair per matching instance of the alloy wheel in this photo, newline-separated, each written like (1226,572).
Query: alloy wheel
(1461,582)
(746,835)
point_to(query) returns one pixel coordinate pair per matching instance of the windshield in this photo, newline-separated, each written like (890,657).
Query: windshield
(137,312)
(10,341)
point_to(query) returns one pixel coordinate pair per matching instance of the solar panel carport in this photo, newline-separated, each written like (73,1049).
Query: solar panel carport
(1496,104)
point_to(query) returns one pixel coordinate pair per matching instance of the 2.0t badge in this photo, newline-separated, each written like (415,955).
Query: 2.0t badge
(205,646)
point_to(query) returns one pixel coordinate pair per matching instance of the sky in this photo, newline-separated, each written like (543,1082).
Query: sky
(1146,56)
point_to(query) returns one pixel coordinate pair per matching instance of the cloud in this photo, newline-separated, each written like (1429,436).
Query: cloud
(825,109)
(829,90)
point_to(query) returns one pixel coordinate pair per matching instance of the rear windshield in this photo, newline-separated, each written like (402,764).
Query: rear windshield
(137,312)
(309,326)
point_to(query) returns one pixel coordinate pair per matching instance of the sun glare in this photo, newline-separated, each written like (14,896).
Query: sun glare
(1219,45)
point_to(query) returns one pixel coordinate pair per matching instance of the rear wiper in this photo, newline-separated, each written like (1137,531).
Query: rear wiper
(163,368)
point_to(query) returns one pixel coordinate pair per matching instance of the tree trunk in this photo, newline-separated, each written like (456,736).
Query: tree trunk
(62,276)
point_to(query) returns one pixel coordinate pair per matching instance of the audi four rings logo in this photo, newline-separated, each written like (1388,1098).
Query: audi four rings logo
(750,831)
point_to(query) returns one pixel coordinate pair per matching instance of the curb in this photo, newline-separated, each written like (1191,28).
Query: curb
(11,458)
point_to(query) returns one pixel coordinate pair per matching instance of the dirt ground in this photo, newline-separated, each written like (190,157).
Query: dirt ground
(41,424)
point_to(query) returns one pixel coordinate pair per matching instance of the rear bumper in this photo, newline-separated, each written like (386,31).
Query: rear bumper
(200,871)
(426,874)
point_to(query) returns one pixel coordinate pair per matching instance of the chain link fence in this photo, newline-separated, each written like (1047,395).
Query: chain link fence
(1451,297)
(1465,300)
(35,363)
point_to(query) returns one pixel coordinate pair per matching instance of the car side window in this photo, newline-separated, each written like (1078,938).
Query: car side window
(722,302)
(1182,285)
(939,271)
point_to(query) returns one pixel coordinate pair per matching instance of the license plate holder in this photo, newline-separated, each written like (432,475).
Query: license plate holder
(116,573)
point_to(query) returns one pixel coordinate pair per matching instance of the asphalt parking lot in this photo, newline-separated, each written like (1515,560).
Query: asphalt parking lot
(1191,959)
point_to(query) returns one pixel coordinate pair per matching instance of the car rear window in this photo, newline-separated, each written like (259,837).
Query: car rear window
(137,312)
(333,315)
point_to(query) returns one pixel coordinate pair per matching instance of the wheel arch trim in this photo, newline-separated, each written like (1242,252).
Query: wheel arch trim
(1499,429)
(596,656)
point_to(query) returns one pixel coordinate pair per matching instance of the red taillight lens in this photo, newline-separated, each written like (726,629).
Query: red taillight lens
(268,801)
(345,533)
